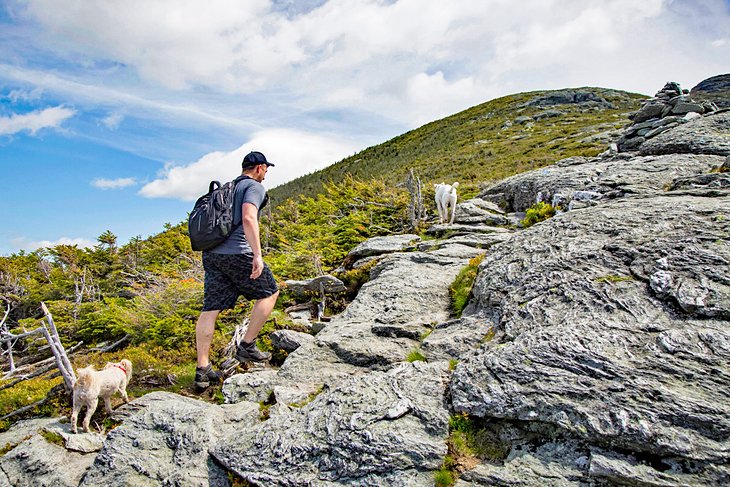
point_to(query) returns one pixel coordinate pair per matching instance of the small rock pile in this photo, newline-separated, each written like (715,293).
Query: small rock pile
(670,107)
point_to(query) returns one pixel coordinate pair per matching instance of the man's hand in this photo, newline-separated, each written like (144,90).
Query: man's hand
(258,267)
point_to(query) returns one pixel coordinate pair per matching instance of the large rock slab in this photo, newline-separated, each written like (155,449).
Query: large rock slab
(163,440)
(715,89)
(613,327)
(406,291)
(382,245)
(610,178)
(456,338)
(328,284)
(37,462)
(704,135)
(379,429)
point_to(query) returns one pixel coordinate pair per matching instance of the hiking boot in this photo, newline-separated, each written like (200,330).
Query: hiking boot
(205,376)
(247,352)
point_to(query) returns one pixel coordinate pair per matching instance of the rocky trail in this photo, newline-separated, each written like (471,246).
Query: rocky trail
(594,350)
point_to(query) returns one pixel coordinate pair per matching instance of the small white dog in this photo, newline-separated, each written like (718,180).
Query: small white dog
(445,198)
(93,384)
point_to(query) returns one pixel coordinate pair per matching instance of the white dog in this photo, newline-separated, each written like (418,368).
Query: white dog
(93,384)
(445,198)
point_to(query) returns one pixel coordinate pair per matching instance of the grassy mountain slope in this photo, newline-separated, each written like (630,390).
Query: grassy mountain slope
(486,142)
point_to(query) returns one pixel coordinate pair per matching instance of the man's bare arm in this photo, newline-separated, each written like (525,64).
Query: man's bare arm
(251,231)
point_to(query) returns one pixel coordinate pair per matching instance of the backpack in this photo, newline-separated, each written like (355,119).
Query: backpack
(211,221)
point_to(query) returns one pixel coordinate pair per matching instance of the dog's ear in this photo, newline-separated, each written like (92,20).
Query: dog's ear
(455,185)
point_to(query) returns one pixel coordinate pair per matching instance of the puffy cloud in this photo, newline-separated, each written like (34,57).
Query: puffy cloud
(355,53)
(294,153)
(112,121)
(118,183)
(79,242)
(35,121)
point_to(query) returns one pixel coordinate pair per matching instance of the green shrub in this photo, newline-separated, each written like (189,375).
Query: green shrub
(443,478)
(415,355)
(460,289)
(537,213)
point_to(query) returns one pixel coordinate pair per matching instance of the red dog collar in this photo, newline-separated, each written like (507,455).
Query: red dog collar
(120,368)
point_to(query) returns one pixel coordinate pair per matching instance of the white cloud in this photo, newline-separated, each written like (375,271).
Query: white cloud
(293,152)
(79,242)
(118,183)
(374,55)
(112,121)
(35,121)
(24,95)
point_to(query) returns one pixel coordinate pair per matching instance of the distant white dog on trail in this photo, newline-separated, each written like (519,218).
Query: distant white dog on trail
(445,198)
(93,384)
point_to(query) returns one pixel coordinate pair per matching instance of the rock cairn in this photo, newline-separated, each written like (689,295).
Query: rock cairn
(670,107)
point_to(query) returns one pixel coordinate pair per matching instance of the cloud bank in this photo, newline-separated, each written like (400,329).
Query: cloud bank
(35,121)
(118,183)
(293,152)
(408,60)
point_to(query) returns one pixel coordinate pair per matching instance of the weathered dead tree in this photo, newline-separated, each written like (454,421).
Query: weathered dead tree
(64,364)
(416,208)
(3,332)
(50,333)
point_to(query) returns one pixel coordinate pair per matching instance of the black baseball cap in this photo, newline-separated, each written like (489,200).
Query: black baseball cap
(254,159)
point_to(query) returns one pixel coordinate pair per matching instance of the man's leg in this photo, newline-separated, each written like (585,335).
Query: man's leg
(204,335)
(260,313)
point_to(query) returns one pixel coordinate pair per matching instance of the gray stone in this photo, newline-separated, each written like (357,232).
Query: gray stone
(612,328)
(476,240)
(251,386)
(163,440)
(289,340)
(383,245)
(610,177)
(456,338)
(36,462)
(715,89)
(378,429)
(705,135)
(78,442)
(329,284)
(461,229)
(479,211)
(648,111)
(685,107)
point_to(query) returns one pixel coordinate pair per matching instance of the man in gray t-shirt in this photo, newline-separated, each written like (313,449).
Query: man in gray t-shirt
(236,268)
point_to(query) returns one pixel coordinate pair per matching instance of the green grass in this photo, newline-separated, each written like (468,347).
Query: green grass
(614,278)
(472,147)
(53,438)
(460,289)
(309,398)
(415,355)
(538,212)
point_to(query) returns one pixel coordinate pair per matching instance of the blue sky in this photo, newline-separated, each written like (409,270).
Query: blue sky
(116,115)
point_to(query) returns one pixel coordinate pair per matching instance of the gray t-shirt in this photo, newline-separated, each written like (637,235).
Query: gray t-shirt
(247,191)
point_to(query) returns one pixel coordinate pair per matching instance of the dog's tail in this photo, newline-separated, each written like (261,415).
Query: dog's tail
(84,377)
(128,367)
(455,185)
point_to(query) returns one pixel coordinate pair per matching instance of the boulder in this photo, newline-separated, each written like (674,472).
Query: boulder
(705,135)
(597,179)
(382,428)
(715,90)
(612,329)
(289,340)
(38,462)
(328,284)
(164,440)
(382,245)
(251,386)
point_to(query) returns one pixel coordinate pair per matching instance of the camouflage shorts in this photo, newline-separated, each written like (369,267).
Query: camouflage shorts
(228,276)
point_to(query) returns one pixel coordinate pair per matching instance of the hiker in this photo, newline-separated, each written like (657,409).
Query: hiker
(236,268)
